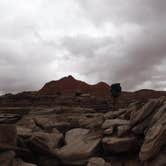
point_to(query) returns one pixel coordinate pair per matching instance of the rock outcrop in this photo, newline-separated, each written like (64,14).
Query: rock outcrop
(65,136)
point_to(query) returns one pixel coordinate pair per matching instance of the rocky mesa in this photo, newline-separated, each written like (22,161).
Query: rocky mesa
(69,85)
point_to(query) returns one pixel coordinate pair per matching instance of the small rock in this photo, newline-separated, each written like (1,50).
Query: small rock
(97,161)
(24,132)
(122,130)
(109,131)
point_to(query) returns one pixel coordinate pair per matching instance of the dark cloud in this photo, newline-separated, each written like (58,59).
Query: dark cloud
(132,63)
(119,11)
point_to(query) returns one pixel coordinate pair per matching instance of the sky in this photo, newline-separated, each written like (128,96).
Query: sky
(93,40)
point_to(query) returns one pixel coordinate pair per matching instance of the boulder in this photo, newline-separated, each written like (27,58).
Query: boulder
(158,160)
(19,162)
(114,114)
(154,140)
(155,137)
(119,145)
(48,161)
(133,162)
(114,123)
(7,158)
(6,118)
(91,122)
(108,131)
(48,124)
(44,143)
(28,123)
(123,130)
(140,128)
(8,137)
(145,111)
(97,161)
(81,144)
(158,115)
(24,132)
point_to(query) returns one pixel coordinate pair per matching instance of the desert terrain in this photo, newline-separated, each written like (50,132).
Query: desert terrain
(69,122)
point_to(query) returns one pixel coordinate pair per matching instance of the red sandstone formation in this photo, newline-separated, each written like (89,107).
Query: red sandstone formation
(69,85)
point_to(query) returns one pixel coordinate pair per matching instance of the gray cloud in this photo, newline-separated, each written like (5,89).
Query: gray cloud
(108,40)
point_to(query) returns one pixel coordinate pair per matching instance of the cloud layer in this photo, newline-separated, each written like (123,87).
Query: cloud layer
(108,40)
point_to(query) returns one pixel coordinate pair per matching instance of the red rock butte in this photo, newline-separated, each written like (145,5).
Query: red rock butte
(70,85)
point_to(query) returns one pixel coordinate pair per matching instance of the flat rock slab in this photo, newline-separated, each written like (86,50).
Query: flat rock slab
(114,122)
(80,145)
(48,124)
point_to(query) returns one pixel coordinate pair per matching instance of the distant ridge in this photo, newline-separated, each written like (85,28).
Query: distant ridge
(70,85)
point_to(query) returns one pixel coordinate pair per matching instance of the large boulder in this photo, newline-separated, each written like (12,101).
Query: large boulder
(147,110)
(120,145)
(155,139)
(80,145)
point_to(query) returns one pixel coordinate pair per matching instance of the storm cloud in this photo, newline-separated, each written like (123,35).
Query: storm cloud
(93,40)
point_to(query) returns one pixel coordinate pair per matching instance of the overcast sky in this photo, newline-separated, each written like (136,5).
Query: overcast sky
(93,40)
